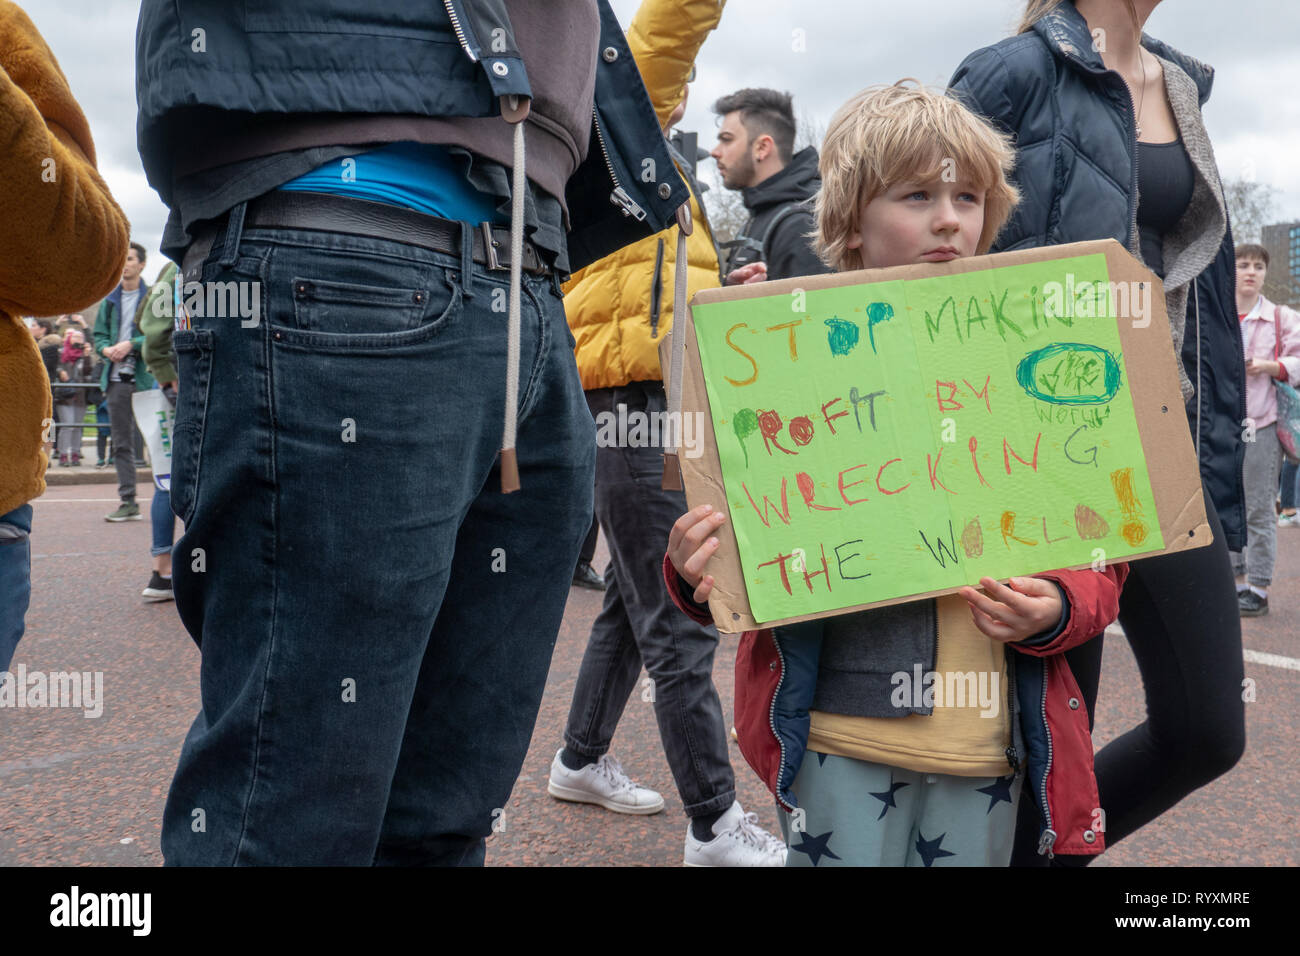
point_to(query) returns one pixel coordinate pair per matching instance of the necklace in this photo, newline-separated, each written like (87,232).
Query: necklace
(1137,117)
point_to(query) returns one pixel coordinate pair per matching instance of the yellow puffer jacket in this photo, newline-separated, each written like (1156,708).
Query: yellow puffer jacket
(609,302)
(63,244)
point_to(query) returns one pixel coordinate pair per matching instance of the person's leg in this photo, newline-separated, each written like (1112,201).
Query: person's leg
(102,432)
(1290,490)
(79,432)
(163,524)
(637,516)
(66,415)
(15,578)
(588,552)
(314,562)
(965,821)
(851,813)
(122,418)
(1260,477)
(484,671)
(1179,613)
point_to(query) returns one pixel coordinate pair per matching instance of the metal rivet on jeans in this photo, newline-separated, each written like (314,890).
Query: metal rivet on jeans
(300,289)
(500,69)
(665,190)
(610,54)
(418,297)
(1074,703)
(1089,836)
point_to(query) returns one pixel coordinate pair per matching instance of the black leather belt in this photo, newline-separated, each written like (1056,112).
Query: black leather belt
(288,209)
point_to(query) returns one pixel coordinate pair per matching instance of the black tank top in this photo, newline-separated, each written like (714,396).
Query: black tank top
(1165,180)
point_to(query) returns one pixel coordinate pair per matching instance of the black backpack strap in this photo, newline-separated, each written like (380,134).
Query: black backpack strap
(791,208)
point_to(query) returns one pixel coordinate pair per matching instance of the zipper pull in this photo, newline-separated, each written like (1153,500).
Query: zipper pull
(1045,843)
(1013,758)
(623,201)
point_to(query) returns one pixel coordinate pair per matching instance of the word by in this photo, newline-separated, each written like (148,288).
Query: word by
(949,689)
(638,429)
(103,909)
(80,689)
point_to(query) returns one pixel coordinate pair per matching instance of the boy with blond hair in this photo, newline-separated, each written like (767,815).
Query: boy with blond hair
(909,176)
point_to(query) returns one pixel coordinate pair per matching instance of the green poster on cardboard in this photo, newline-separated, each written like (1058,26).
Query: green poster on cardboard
(893,438)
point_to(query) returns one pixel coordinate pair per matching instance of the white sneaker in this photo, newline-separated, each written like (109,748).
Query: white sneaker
(603,783)
(740,841)
(1289,521)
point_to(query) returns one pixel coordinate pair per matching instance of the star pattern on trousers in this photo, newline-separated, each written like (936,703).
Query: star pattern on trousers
(815,846)
(929,849)
(887,798)
(998,790)
(821,758)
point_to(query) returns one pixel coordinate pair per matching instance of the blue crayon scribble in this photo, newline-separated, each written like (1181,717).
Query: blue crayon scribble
(843,335)
(1070,373)
(877,312)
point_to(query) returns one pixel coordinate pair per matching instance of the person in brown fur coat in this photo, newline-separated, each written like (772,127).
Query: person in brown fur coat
(62,248)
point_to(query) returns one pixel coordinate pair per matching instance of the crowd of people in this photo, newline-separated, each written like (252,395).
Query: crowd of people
(519,238)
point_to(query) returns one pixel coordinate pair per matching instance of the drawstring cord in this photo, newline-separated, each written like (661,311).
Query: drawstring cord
(509,460)
(672,480)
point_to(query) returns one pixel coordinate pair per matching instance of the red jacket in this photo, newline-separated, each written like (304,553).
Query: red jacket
(775,683)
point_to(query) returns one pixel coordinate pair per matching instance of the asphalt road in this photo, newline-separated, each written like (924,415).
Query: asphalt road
(79,790)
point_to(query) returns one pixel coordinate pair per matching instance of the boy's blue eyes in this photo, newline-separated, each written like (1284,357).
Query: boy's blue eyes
(923,194)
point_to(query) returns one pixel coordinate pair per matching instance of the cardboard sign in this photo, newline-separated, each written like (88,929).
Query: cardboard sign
(156,418)
(887,435)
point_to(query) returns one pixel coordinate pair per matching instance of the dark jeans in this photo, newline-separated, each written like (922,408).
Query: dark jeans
(375,628)
(101,433)
(588,551)
(121,417)
(640,624)
(1179,613)
(15,580)
(1290,484)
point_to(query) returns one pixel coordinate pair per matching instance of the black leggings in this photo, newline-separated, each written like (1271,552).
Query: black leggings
(1179,612)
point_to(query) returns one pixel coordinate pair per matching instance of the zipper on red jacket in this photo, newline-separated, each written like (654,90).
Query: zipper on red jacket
(771,719)
(1049,835)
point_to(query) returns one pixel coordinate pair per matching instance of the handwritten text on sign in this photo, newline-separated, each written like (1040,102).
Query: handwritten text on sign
(894,438)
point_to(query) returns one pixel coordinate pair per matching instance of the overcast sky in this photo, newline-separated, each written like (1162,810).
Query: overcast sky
(1253,115)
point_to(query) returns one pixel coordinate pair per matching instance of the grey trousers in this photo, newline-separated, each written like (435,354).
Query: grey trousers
(68,440)
(1260,474)
(121,420)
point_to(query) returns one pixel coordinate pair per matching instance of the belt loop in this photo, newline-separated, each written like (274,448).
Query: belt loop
(467,260)
(234,230)
(555,283)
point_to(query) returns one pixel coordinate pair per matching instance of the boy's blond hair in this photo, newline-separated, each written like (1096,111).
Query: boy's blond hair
(886,135)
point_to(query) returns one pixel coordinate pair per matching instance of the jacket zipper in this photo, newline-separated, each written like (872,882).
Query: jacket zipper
(1012,755)
(657,290)
(619,196)
(771,719)
(1048,837)
(460,34)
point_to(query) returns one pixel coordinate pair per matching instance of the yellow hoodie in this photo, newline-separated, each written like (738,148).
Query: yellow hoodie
(63,244)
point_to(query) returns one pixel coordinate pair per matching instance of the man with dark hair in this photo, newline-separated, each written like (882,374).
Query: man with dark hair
(118,339)
(755,154)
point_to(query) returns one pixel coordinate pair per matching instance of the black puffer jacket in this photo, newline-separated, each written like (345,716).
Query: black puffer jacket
(781,217)
(1075,166)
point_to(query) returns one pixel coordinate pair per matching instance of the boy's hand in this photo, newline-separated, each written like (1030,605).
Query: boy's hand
(691,544)
(1010,614)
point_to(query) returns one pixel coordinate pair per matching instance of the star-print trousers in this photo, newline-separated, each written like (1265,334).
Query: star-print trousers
(855,813)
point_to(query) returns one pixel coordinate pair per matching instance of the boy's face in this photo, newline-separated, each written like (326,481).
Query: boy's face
(915,222)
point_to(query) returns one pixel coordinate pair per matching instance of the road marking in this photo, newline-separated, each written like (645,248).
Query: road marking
(1272,660)
(1254,657)
(82,500)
